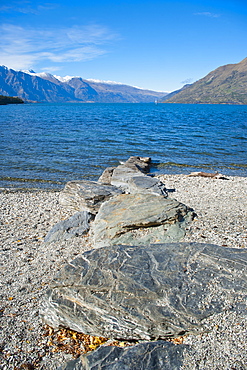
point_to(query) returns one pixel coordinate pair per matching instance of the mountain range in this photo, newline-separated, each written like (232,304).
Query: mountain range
(45,87)
(225,85)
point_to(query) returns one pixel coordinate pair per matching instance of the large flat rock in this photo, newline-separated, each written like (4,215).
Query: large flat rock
(158,355)
(86,195)
(152,292)
(140,219)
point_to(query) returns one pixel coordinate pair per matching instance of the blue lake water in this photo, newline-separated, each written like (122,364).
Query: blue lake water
(46,145)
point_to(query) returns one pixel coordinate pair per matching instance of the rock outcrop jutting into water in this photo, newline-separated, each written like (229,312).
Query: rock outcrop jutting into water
(129,206)
(139,282)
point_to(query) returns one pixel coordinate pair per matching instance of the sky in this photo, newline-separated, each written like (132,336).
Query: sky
(153,44)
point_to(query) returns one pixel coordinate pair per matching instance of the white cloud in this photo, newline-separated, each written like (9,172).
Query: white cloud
(208,14)
(22,48)
(51,69)
(5,8)
(25,8)
(89,34)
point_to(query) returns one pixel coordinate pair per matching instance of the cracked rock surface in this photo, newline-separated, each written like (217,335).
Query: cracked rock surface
(143,293)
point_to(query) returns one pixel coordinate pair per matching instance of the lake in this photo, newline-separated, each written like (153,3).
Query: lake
(46,145)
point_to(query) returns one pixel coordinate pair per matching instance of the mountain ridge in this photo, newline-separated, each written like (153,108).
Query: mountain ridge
(226,84)
(45,87)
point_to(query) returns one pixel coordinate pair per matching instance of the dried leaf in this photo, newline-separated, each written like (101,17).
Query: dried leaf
(92,346)
(178,340)
(74,343)
(49,342)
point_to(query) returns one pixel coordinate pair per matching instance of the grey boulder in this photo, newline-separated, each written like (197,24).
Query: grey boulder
(122,175)
(157,355)
(137,219)
(146,293)
(131,177)
(146,185)
(140,163)
(106,176)
(76,225)
(129,168)
(86,195)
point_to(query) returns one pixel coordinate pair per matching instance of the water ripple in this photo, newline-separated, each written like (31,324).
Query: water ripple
(54,143)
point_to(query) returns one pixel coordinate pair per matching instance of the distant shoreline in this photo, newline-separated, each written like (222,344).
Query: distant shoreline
(5,100)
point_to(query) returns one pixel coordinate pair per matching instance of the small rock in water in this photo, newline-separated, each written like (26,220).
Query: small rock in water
(141,163)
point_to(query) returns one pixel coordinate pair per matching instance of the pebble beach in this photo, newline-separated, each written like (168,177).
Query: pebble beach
(28,266)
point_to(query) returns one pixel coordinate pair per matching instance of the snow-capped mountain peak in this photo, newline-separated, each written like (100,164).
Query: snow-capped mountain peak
(65,78)
(45,87)
(104,82)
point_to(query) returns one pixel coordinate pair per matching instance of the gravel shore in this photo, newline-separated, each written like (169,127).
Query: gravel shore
(28,265)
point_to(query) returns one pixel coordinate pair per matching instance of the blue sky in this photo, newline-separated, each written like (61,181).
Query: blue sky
(153,44)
